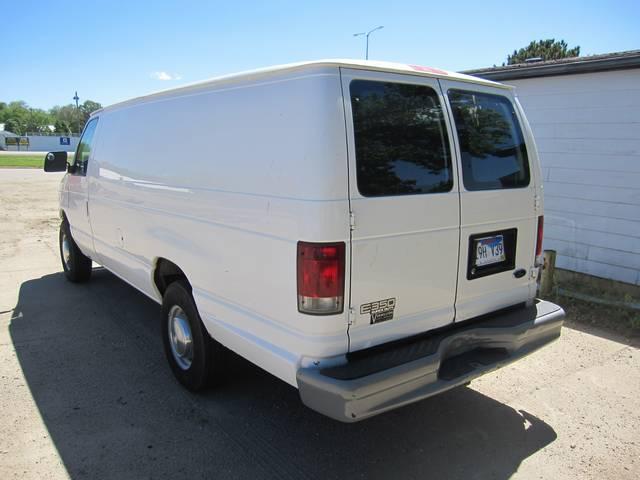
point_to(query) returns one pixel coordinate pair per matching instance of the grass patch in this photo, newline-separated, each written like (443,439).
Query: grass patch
(620,320)
(601,303)
(22,161)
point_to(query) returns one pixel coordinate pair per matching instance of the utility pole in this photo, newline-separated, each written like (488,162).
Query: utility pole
(76,98)
(366,34)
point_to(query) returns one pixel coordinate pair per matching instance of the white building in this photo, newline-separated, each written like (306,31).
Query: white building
(585,115)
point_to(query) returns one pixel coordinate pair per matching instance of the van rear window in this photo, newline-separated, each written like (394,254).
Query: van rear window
(492,146)
(400,138)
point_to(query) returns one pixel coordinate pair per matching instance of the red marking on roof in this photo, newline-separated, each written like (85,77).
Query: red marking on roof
(420,68)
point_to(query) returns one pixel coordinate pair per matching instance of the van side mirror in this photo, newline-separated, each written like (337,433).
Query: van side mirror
(55,162)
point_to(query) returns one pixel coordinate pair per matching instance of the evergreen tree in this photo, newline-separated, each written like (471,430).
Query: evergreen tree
(549,49)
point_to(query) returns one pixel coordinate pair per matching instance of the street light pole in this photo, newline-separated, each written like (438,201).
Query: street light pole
(366,54)
(366,34)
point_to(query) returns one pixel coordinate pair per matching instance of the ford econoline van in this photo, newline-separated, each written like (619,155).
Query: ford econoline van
(367,232)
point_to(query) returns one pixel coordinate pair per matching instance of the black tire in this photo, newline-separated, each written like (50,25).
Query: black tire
(76,265)
(207,361)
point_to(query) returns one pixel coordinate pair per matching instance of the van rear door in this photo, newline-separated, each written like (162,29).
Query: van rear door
(498,225)
(405,208)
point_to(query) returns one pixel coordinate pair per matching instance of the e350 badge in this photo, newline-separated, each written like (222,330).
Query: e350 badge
(380,311)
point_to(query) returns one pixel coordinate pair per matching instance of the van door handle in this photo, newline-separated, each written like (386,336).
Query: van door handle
(521,272)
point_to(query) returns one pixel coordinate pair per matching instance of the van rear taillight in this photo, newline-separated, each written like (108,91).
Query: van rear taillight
(321,278)
(539,240)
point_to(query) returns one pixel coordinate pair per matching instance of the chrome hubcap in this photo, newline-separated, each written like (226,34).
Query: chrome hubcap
(66,251)
(180,337)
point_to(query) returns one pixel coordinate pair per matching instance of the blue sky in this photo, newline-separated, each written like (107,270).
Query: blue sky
(112,50)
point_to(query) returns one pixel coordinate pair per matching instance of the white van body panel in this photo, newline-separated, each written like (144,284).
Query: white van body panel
(237,196)
(223,178)
(77,211)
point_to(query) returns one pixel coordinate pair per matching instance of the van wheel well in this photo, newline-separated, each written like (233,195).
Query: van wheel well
(166,273)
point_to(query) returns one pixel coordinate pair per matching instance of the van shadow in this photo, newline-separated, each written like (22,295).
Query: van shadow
(92,357)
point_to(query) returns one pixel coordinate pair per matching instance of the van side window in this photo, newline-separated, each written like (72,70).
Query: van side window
(401,140)
(492,146)
(84,148)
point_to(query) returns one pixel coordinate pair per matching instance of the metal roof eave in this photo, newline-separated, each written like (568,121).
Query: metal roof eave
(543,69)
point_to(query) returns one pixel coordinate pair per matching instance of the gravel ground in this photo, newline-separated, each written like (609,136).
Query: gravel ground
(85,392)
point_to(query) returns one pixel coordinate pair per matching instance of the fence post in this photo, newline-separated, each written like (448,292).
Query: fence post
(547,274)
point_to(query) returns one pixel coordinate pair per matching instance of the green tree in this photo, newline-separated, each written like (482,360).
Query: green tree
(89,106)
(14,125)
(62,127)
(69,115)
(38,121)
(549,49)
(20,119)
(15,115)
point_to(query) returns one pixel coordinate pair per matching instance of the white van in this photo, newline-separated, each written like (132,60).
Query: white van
(368,232)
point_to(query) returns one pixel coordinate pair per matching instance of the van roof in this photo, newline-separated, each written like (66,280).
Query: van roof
(256,74)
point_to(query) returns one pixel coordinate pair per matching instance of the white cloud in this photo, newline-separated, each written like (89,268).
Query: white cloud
(165,76)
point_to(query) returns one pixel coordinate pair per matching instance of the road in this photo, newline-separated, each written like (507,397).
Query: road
(86,393)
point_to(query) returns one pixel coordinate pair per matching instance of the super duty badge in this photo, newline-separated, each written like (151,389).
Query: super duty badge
(380,310)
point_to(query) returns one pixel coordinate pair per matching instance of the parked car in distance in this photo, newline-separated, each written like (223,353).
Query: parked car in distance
(368,232)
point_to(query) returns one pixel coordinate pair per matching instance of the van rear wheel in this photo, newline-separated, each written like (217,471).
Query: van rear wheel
(195,358)
(76,265)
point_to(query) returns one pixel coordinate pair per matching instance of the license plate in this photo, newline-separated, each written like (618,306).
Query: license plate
(489,250)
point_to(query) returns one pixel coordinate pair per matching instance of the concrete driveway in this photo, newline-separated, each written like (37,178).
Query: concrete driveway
(85,392)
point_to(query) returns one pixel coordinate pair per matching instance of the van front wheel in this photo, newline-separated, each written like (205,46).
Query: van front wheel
(76,265)
(195,358)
